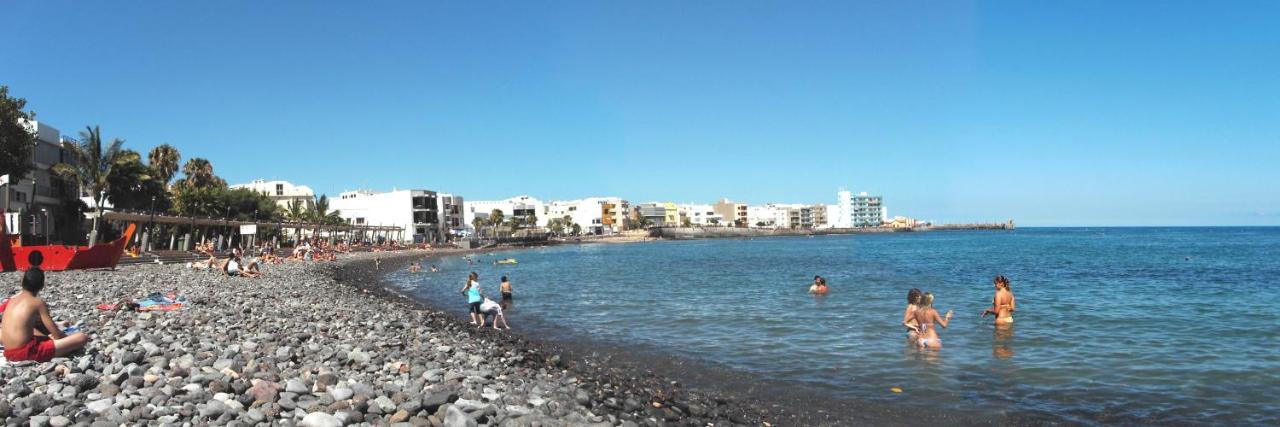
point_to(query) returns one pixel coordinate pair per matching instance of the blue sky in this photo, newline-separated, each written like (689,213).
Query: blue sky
(1062,113)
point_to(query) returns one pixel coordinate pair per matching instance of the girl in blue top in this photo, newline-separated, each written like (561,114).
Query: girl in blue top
(474,298)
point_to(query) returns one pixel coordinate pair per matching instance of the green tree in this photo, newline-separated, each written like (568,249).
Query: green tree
(478,223)
(577,229)
(246,205)
(556,226)
(15,142)
(531,220)
(163,161)
(90,166)
(198,173)
(495,220)
(128,182)
(193,201)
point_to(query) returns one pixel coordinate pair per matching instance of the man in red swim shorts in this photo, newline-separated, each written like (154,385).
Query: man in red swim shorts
(28,332)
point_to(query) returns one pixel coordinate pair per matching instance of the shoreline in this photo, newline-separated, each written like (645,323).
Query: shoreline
(317,344)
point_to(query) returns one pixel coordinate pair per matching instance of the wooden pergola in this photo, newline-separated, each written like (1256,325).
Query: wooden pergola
(204,226)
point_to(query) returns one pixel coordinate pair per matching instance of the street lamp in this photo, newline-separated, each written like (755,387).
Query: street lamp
(151,225)
(46,225)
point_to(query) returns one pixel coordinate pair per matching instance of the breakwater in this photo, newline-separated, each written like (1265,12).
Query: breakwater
(738,233)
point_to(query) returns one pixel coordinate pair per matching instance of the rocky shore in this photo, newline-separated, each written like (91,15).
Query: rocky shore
(319,345)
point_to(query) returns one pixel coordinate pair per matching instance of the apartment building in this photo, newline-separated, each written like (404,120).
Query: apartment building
(283,193)
(735,214)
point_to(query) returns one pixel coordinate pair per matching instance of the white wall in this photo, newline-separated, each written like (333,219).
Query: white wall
(393,208)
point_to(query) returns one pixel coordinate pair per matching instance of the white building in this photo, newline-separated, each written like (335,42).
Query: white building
(424,215)
(282,192)
(859,210)
(768,216)
(39,194)
(596,215)
(701,216)
(515,207)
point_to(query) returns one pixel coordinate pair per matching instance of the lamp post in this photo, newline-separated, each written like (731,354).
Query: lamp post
(46,225)
(150,225)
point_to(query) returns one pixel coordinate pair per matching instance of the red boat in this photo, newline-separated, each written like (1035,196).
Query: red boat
(62,257)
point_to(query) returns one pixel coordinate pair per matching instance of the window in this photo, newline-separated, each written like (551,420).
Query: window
(359,220)
(279,189)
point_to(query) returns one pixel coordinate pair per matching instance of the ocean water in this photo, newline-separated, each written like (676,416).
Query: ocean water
(1147,325)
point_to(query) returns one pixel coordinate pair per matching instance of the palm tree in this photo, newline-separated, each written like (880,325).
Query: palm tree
(495,219)
(320,214)
(478,223)
(163,161)
(296,213)
(199,174)
(90,166)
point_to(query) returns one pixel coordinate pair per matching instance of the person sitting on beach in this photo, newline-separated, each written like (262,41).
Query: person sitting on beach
(232,268)
(28,331)
(1002,305)
(908,316)
(474,298)
(926,316)
(490,308)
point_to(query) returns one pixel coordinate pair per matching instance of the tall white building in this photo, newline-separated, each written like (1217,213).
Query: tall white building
(859,210)
(282,192)
(424,215)
(515,207)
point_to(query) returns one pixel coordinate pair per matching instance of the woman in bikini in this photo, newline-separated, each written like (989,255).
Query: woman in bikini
(1003,304)
(926,316)
(908,316)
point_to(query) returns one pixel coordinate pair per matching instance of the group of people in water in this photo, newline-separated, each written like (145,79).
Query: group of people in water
(922,320)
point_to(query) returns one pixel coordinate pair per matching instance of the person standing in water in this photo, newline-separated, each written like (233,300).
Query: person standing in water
(909,316)
(1003,304)
(926,316)
(506,293)
(474,298)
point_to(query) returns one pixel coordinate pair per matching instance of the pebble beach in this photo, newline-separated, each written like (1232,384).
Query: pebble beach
(319,344)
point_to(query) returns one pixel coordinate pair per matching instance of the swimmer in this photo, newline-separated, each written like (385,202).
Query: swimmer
(817,281)
(434,268)
(1003,304)
(908,316)
(506,292)
(926,316)
(414,268)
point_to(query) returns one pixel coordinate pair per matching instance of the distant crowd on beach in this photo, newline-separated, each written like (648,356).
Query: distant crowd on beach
(921,319)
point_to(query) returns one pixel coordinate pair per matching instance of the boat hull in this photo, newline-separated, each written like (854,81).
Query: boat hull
(62,257)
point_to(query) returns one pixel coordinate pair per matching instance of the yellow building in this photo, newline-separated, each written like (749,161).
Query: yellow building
(672,213)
